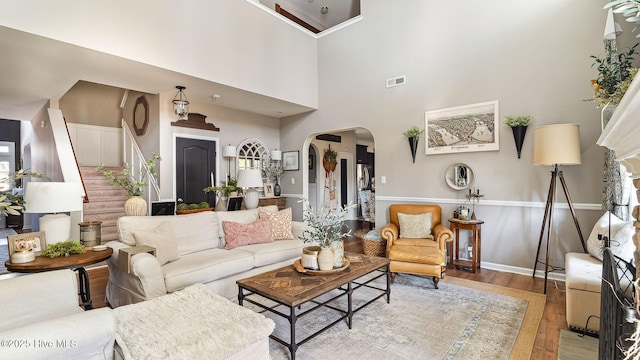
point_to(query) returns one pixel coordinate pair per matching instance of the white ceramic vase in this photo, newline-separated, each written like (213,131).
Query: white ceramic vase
(135,206)
(338,253)
(325,259)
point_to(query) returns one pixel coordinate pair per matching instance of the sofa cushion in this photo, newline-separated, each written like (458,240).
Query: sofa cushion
(583,272)
(274,252)
(205,266)
(240,216)
(415,226)
(162,239)
(193,232)
(238,234)
(621,237)
(280,223)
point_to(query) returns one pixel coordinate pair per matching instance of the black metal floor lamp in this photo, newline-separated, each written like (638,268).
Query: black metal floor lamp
(555,145)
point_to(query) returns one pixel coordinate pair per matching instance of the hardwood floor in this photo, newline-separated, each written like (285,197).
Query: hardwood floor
(553,320)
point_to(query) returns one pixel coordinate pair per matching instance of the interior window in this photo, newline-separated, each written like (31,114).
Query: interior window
(251,154)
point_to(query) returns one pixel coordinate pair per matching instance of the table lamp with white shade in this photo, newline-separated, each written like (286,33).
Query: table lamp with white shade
(53,198)
(251,179)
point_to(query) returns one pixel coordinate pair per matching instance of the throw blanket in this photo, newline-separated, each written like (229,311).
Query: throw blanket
(193,323)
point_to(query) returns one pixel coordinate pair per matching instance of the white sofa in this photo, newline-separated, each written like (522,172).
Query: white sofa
(41,319)
(583,272)
(201,256)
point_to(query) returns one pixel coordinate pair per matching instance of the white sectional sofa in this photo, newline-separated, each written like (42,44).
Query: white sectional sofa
(41,319)
(200,256)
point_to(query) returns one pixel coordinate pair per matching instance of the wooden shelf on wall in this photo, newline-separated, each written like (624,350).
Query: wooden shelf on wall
(196,121)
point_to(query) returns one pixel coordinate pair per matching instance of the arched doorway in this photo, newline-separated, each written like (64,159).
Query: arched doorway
(355,151)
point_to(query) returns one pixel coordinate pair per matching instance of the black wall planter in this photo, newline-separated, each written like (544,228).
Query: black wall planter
(518,136)
(413,143)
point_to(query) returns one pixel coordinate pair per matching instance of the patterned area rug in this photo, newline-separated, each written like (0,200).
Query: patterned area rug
(462,320)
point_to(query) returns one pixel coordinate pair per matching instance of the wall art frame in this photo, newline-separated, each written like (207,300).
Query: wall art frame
(35,240)
(291,160)
(465,128)
(268,190)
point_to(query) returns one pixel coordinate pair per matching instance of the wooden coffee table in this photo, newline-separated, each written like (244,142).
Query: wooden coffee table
(290,288)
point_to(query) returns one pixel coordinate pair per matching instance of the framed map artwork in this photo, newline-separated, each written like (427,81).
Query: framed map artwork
(463,129)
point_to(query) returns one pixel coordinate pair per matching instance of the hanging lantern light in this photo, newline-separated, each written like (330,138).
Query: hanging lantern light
(181,104)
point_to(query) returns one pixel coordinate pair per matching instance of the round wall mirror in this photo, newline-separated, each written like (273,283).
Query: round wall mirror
(459,176)
(140,116)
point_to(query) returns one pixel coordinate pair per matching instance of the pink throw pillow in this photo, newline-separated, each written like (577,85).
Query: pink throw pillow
(238,234)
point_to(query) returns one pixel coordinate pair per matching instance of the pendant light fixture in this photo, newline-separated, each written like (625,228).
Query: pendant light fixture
(181,104)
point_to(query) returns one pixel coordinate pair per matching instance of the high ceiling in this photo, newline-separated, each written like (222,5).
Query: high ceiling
(311,11)
(35,69)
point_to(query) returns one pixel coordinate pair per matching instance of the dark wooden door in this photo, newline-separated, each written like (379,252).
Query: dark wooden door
(195,166)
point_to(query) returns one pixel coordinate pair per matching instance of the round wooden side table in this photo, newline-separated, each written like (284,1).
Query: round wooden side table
(76,262)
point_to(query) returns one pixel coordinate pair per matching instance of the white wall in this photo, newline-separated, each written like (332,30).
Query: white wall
(532,57)
(229,42)
(235,126)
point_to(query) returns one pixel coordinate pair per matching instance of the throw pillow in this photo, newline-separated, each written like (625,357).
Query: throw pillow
(280,223)
(621,237)
(415,226)
(238,234)
(162,239)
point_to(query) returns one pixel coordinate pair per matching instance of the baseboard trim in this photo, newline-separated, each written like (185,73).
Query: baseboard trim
(522,271)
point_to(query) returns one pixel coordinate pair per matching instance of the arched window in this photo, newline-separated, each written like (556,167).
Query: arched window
(251,154)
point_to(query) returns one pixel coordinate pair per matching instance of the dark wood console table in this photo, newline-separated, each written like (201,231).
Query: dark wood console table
(280,201)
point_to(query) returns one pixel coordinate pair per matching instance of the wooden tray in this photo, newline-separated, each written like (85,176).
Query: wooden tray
(301,269)
(192,211)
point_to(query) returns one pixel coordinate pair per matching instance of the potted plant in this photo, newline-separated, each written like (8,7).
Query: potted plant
(518,124)
(326,229)
(330,159)
(13,204)
(134,186)
(413,135)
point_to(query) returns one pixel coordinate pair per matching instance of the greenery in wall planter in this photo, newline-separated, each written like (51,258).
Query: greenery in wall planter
(518,124)
(413,135)
(517,120)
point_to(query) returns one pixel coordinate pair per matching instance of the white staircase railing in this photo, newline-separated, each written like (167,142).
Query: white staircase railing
(133,157)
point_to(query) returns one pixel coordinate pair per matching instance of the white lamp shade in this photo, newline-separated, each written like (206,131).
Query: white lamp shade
(557,144)
(229,151)
(53,197)
(50,197)
(276,155)
(250,178)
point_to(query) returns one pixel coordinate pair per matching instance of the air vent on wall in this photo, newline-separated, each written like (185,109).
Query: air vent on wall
(397,81)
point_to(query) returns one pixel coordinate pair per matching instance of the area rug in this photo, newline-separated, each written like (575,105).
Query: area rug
(576,347)
(461,320)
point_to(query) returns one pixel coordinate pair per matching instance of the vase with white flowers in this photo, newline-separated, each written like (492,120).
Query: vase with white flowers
(326,228)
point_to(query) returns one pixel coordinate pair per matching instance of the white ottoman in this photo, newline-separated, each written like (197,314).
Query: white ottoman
(193,323)
(583,279)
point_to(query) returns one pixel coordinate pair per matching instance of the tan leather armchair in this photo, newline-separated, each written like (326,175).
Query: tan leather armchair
(422,256)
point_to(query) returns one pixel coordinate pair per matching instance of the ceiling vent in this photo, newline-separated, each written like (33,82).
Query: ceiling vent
(397,81)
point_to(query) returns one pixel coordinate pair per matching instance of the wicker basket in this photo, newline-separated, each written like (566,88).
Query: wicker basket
(374,247)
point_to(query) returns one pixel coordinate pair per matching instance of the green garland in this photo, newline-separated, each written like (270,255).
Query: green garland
(63,248)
